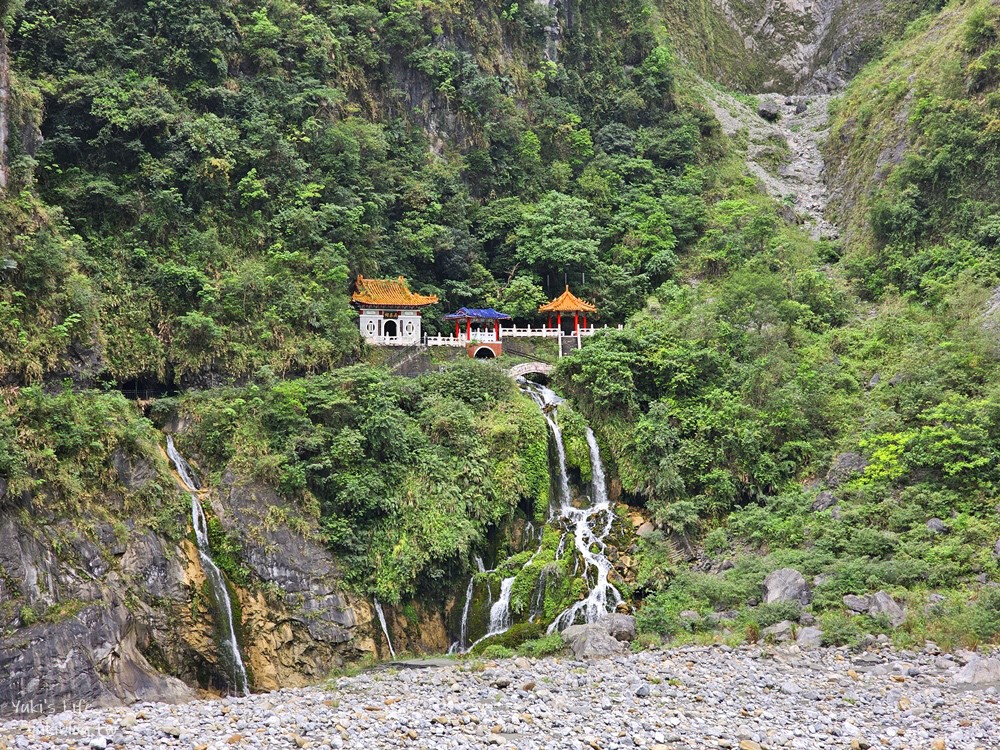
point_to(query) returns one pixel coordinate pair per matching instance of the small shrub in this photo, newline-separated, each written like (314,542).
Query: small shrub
(767,615)
(840,629)
(28,616)
(544,646)
(496,651)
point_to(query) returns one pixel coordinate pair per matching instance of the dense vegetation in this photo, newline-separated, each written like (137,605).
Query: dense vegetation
(222,172)
(725,402)
(195,185)
(401,478)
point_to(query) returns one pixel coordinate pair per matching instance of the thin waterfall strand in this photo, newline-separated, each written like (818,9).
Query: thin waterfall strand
(385,628)
(229,648)
(463,633)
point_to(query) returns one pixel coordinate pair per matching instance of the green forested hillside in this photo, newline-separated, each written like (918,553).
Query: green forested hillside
(209,179)
(194,186)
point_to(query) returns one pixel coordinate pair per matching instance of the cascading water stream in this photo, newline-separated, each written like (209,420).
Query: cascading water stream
(500,614)
(222,608)
(385,628)
(590,526)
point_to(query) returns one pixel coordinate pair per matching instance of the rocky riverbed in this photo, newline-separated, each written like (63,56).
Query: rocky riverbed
(688,698)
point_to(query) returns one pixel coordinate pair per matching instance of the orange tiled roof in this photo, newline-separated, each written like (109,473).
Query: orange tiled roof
(389,293)
(567,302)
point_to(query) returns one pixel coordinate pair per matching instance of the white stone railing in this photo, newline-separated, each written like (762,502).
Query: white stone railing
(488,337)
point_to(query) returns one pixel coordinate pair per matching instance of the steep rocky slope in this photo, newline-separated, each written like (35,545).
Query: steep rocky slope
(103,609)
(786,46)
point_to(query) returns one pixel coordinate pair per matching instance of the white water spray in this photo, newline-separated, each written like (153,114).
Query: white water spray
(222,605)
(385,628)
(590,526)
(500,614)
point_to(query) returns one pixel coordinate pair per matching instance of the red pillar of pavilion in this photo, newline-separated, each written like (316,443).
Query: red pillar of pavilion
(496,330)
(458,333)
(468,329)
(576,323)
(585,320)
(559,322)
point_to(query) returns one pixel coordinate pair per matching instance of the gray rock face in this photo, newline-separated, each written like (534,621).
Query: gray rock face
(779,632)
(297,628)
(592,642)
(809,637)
(786,585)
(810,46)
(884,605)
(936,526)
(996,549)
(845,466)
(979,671)
(620,627)
(90,659)
(769,111)
(824,501)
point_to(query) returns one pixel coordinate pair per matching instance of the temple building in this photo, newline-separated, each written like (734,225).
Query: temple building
(464,317)
(567,303)
(390,312)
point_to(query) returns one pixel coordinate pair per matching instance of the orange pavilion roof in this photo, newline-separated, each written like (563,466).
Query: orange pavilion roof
(389,293)
(567,302)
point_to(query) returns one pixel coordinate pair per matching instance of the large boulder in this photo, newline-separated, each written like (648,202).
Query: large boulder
(591,642)
(884,605)
(979,671)
(843,467)
(857,603)
(769,111)
(936,526)
(620,627)
(809,638)
(786,585)
(781,632)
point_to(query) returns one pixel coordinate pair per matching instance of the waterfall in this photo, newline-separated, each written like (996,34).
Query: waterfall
(591,527)
(222,608)
(547,401)
(500,615)
(385,628)
(463,633)
(480,566)
(552,32)
(562,546)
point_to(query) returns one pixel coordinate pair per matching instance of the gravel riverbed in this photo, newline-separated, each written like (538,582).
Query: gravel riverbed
(682,699)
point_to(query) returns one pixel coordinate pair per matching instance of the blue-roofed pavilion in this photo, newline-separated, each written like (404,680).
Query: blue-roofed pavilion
(478,314)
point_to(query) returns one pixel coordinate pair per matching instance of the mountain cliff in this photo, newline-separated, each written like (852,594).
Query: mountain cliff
(189,190)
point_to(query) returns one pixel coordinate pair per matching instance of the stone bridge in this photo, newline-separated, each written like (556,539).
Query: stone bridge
(526,368)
